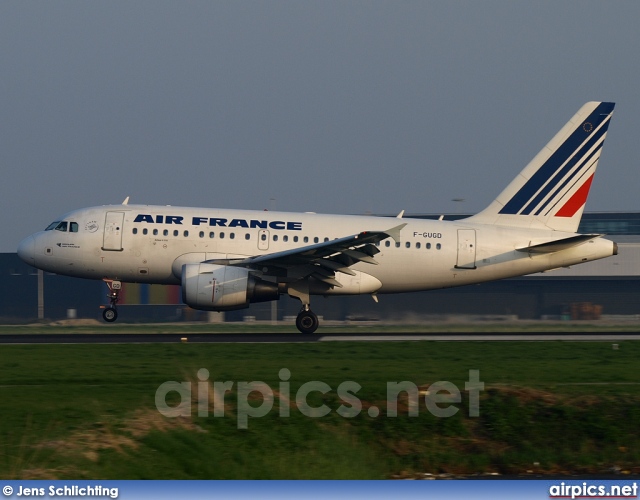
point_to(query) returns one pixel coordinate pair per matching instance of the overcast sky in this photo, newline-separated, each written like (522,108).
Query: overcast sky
(324,106)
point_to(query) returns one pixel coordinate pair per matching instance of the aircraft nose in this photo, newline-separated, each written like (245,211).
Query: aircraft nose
(26,250)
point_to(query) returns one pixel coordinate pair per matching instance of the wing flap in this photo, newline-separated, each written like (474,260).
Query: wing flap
(336,266)
(327,279)
(359,256)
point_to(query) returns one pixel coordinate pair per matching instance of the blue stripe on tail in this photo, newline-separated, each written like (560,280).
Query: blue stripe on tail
(564,170)
(550,168)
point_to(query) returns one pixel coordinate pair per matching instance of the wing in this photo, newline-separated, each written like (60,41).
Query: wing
(321,260)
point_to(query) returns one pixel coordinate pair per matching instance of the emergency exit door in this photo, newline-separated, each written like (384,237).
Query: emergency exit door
(466,249)
(263,239)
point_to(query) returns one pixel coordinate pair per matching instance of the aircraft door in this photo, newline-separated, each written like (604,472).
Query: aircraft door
(263,239)
(113,231)
(466,249)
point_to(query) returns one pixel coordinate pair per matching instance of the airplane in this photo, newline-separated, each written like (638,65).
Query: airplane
(229,259)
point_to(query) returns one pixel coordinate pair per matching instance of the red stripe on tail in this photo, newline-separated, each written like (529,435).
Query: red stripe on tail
(578,199)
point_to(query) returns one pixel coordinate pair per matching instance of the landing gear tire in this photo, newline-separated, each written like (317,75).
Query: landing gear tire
(110,314)
(307,322)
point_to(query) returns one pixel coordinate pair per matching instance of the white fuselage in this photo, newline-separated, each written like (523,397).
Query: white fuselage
(150,244)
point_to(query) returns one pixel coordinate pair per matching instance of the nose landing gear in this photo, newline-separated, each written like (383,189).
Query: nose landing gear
(110,313)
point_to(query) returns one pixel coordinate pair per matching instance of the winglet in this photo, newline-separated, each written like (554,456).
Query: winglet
(126,201)
(394,232)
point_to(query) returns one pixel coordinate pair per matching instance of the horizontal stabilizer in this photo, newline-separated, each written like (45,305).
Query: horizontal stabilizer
(557,245)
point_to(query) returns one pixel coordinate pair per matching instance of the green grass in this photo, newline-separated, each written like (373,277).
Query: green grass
(88,410)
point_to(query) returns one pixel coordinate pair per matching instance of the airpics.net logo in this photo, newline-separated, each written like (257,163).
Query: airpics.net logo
(257,399)
(589,490)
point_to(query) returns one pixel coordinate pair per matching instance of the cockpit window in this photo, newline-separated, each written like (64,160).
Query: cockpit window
(63,226)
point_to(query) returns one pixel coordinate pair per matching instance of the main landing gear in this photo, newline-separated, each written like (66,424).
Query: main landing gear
(307,321)
(110,314)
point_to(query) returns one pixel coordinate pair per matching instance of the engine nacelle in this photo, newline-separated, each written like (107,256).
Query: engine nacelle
(212,287)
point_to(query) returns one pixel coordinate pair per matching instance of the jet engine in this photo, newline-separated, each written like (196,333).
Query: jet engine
(213,287)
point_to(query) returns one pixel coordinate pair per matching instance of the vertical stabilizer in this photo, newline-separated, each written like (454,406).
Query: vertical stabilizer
(551,191)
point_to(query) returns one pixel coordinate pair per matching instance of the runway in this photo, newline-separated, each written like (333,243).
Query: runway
(269,338)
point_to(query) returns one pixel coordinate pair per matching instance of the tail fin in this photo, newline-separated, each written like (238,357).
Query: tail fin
(551,191)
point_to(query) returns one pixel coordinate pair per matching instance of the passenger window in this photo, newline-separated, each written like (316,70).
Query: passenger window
(247,236)
(62,227)
(144,231)
(211,234)
(306,239)
(221,235)
(387,243)
(73,227)
(232,235)
(418,245)
(275,237)
(407,244)
(295,239)
(428,246)
(285,238)
(397,244)
(186,233)
(438,246)
(201,234)
(165,232)
(175,232)
(135,230)
(326,239)
(155,232)
(263,237)
(315,240)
